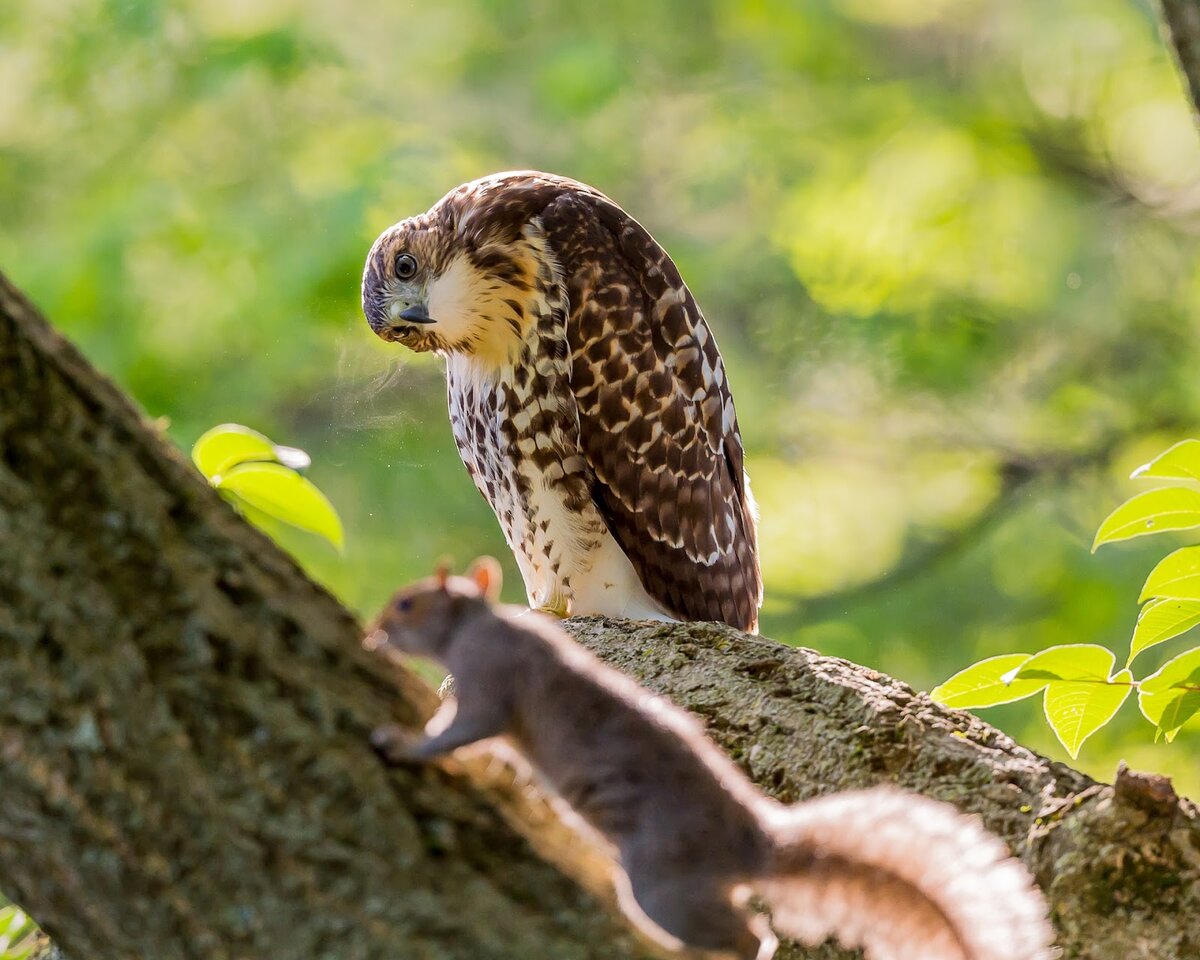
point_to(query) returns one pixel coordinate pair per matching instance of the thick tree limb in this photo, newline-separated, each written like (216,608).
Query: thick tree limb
(1121,865)
(183,720)
(184,770)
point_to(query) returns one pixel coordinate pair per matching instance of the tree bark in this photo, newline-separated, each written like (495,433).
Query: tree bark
(1181,23)
(1120,864)
(184,768)
(183,720)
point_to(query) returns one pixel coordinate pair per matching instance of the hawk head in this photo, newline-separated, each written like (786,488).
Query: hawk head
(463,277)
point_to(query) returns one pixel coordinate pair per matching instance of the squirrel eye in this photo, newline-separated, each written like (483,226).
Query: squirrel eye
(405,604)
(406,266)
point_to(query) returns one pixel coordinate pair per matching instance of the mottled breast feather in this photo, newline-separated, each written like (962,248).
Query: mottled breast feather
(657,424)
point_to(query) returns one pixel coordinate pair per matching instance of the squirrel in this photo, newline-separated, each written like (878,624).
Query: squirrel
(897,874)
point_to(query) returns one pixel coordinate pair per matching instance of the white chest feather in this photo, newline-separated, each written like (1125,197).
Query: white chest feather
(517,441)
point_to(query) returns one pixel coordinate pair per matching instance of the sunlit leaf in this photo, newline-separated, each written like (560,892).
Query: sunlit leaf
(1160,620)
(1077,709)
(1182,671)
(1169,711)
(1169,697)
(272,527)
(224,447)
(1177,576)
(1072,661)
(285,495)
(1181,462)
(982,684)
(1168,508)
(17,931)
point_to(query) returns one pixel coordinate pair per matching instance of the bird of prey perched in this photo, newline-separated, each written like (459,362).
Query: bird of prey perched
(587,397)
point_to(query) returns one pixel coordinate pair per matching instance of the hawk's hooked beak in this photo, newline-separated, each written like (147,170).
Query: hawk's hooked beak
(417,313)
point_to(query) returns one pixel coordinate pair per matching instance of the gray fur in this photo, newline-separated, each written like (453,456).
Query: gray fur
(877,869)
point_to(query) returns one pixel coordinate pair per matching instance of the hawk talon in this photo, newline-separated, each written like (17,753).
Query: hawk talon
(556,608)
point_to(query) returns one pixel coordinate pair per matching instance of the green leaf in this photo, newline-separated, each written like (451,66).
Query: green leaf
(1180,671)
(277,530)
(1181,462)
(285,495)
(16,933)
(222,448)
(1077,709)
(1177,576)
(981,684)
(1160,620)
(1168,508)
(1169,697)
(1088,662)
(1169,711)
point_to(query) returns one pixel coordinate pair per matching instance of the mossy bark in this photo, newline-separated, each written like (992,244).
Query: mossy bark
(183,719)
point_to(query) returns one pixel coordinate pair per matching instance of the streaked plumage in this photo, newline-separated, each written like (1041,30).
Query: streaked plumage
(587,397)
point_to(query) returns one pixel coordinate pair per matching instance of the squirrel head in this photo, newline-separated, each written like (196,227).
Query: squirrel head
(420,619)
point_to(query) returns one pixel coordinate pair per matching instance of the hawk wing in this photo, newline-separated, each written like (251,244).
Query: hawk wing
(656,417)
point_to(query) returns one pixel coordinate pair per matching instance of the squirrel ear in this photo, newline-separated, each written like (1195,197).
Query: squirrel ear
(486,573)
(441,573)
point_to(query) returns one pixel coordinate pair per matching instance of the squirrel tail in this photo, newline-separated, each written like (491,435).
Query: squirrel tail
(903,877)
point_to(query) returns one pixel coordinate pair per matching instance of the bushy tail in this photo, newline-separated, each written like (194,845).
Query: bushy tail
(903,877)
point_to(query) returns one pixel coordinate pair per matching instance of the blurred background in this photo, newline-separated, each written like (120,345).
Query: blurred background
(949,249)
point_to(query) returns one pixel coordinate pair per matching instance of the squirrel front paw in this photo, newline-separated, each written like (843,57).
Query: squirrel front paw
(394,744)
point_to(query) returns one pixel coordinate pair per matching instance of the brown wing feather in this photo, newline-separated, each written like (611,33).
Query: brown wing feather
(656,416)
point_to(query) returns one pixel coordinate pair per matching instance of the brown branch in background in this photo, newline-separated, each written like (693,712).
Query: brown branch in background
(919,561)
(1181,23)
(1018,477)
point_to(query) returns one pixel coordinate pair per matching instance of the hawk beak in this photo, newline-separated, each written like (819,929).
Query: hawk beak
(417,313)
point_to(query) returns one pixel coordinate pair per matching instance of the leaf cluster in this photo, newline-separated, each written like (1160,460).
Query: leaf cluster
(1081,690)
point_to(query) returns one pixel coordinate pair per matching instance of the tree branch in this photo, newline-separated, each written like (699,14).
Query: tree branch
(1019,477)
(1120,865)
(1181,22)
(921,559)
(183,723)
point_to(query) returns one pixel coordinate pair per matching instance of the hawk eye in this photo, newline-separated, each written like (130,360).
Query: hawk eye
(406,266)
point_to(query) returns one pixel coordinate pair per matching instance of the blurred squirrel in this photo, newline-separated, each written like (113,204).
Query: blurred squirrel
(903,877)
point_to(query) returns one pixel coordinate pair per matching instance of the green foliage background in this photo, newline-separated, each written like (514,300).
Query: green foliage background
(949,248)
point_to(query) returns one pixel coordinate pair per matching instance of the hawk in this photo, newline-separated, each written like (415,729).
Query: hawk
(587,397)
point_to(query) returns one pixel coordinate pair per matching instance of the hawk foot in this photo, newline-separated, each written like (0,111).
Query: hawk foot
(555,607)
